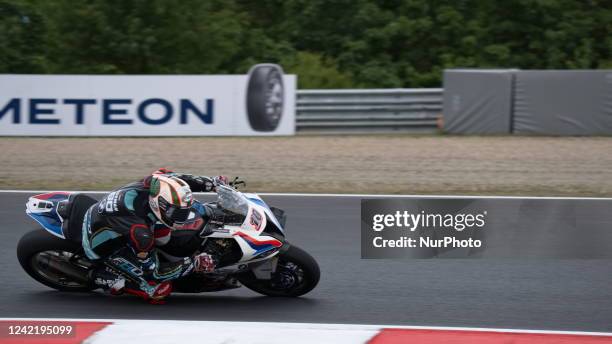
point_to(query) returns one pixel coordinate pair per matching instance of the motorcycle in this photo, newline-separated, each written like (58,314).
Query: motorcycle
(249,243)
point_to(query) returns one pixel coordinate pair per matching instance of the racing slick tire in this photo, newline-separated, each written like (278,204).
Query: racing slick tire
(37,249)
(296,274)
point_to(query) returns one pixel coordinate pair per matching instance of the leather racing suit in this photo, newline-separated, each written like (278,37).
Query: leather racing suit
(121,228)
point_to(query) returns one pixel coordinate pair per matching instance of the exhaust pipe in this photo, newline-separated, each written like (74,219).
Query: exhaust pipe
(71,271)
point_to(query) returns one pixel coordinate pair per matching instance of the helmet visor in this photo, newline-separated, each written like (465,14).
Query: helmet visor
(173,214)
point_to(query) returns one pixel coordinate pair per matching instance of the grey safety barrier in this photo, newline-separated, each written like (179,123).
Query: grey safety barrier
(533,102)
(563,102)
(368,110)
(478,101)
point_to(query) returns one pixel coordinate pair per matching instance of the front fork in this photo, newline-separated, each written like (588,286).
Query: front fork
(264,269)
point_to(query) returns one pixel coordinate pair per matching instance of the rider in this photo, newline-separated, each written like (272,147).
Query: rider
(122,227)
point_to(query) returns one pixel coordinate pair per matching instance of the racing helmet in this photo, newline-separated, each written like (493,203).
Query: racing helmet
(170,198)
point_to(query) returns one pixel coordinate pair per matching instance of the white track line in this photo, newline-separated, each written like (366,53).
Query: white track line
(349,195)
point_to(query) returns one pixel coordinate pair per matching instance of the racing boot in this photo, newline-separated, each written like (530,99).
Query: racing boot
(154,293)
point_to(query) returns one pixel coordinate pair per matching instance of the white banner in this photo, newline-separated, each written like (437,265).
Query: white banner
(147,105)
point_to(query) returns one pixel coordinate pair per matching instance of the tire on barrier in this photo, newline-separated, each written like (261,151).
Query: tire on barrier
(265,97)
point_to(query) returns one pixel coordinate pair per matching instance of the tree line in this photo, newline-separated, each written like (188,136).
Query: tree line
(328,43)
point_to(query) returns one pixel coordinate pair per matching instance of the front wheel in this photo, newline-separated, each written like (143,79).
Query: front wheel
(296,274)
(51,261)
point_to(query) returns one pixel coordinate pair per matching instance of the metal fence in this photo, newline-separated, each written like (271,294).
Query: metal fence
(367,111)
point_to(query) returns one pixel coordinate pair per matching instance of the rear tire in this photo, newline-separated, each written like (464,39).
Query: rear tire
(307,270)
(38,242)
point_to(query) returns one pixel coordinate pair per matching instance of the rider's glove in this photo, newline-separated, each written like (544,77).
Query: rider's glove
(221,180)
(203,262)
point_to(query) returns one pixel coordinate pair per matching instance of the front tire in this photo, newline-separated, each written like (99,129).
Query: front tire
(39,247)
(297,273)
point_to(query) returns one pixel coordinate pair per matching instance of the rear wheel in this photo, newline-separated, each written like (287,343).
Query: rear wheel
(52,262)
(296,274)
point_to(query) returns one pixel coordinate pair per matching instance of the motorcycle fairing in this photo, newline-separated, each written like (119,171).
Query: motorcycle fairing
(254,198)
(259,246)
(252,244)
(43,209)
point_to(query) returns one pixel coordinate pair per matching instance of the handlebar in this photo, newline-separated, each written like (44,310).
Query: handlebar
(236,182)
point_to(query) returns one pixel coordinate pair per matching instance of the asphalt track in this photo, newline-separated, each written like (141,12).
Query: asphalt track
(498,293)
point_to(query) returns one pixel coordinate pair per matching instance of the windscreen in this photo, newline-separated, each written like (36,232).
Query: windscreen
(232,201)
